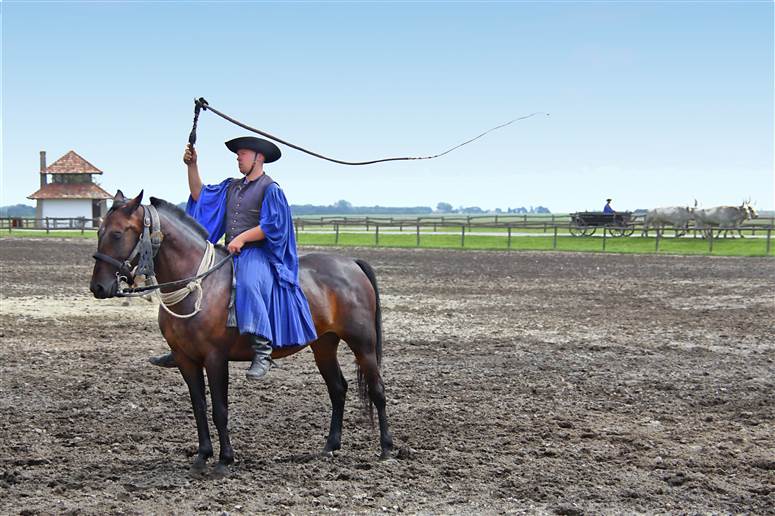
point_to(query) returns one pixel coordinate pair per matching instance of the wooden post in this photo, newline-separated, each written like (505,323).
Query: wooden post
(462,235)
(376,235)
(605,231)
(47,228)
(509,244)
(418,233)
(296,230)
(659,235)
(710,240)
(336,228)
(83,224)
(554,240)
(769,235)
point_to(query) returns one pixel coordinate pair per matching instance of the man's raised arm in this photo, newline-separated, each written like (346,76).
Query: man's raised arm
(194,181)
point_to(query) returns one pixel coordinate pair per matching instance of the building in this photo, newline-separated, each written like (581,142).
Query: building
(71,193)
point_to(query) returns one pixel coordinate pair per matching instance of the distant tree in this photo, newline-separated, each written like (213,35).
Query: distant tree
(444,207)
(498,210)
(541,209)
(343,206)
(521,209)
(17,210)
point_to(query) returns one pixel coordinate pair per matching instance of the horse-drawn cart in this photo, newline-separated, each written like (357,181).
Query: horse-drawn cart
(585,223)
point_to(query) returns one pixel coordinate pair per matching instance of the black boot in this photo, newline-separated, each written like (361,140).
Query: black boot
(164,361)
(262,359)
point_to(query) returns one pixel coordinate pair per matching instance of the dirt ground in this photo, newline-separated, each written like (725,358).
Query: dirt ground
(517,382)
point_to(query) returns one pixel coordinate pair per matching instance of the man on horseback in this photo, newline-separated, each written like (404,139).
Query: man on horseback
(253,213)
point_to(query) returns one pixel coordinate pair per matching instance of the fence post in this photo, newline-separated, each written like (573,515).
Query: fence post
(509,246)
(769,234)
(47,229)
(710,240)
(418,234)
(605,231)
(554,239)
(376,235)
(462,235)
(659,236)
(83,224)
(336,227)
(10,223)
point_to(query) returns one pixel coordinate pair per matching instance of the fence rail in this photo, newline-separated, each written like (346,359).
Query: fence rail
(466,226)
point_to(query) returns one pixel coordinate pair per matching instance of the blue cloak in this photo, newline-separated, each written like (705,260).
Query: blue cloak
(269,301)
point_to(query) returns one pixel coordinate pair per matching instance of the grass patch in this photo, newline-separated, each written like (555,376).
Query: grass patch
(408,239)
(59,233)
(635,245)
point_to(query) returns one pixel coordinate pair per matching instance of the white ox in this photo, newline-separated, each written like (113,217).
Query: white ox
(676,216)
(726,218)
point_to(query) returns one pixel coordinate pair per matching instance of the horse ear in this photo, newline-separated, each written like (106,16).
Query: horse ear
(118,199)
(134,203)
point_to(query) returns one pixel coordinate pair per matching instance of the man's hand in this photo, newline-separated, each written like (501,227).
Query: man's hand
(189,156)
(235,246)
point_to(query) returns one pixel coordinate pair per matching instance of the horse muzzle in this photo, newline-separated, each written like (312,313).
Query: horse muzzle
(104,290)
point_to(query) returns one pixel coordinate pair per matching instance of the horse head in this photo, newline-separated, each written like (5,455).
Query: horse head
(117,237)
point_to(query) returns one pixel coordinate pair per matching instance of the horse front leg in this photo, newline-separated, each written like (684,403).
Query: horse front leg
(194,377)
(218,377)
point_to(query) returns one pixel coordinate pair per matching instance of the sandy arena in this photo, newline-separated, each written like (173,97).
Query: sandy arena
(516,382)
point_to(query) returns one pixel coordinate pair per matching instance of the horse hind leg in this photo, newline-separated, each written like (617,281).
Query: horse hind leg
(324,350)
(371,387)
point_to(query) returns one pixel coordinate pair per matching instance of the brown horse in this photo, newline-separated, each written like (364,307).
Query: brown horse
(342,295)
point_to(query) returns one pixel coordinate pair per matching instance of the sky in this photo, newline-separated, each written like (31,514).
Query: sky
(650,103)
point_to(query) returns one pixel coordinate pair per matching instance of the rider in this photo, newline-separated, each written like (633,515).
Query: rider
(607,208)
(255,217)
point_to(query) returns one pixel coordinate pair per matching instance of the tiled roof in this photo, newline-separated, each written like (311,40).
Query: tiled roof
(70,191)
(71,163)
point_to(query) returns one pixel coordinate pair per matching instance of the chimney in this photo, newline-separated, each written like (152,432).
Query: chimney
(43,176)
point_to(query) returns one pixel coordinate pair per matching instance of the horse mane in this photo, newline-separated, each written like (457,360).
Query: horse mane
(176,213)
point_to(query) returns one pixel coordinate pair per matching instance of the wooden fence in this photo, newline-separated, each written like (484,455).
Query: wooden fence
(556,226)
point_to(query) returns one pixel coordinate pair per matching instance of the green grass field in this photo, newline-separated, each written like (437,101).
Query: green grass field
(638,245)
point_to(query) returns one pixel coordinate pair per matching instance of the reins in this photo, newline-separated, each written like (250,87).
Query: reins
(202,104)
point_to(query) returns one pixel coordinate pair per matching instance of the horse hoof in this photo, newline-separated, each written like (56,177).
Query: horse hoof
(198,467)
(389,453)
(221,470)
(327,454)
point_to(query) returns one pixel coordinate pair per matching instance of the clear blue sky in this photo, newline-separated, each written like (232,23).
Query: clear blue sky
(652,104)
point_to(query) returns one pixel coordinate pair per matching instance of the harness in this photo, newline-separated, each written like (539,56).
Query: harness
(147,248)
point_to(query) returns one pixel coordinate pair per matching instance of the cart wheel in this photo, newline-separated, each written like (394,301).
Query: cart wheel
(615,232)
(589,231)
(576,230)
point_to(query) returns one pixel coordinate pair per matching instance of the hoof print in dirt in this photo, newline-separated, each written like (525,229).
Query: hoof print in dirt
(676,480)
(568,510)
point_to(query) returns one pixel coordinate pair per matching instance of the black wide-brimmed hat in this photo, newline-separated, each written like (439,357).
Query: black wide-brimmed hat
(270,151)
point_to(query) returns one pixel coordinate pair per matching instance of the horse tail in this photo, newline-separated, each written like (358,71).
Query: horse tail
(362,384)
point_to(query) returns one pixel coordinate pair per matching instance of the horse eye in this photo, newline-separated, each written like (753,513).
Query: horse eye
(116,235)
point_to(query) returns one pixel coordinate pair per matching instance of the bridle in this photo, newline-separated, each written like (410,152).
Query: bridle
(147,248)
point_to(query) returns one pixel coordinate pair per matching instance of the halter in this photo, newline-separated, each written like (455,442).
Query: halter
(147,248)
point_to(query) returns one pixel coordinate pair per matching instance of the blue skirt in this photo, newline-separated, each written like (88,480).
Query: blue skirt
(268,306)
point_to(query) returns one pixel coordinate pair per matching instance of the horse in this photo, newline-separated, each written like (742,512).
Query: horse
(342,295)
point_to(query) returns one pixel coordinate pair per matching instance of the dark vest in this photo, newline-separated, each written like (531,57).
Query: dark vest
(243,206)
